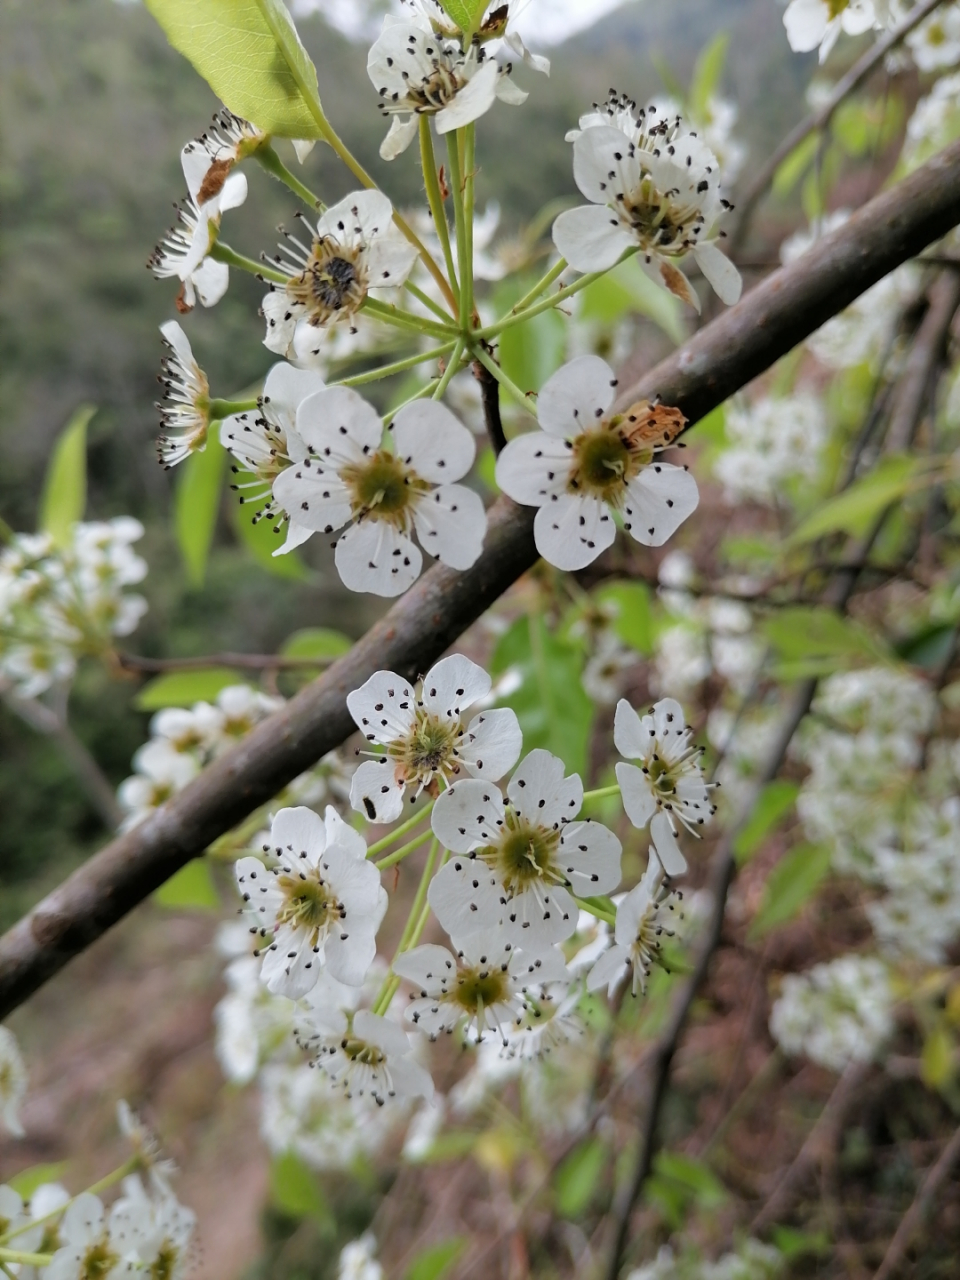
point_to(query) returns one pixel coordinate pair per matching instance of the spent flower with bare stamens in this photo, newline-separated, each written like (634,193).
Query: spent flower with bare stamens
(648,913)
(588,462)
(520,860)
(320,905)
(668,784)
(655,187)
(425,734)
(185,409)
(184,251)
(356,250)
(207,161)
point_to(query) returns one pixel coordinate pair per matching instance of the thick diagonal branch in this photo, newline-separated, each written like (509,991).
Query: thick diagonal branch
(723,357)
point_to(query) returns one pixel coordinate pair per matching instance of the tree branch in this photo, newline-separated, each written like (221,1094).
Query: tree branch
(721,358)
(490,395)
(897,1249)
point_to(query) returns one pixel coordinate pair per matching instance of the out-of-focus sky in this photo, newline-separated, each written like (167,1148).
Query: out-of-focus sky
(540,22)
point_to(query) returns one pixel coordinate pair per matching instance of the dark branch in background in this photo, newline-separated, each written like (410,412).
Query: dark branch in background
(819,119)
(908,408)
(490,394)
(934,1180)
(242,661)
(721,358)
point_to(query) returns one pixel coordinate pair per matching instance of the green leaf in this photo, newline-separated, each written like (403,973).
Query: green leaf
(576,1179)
(65,487)
(532,351)
(295,1191)
(796,1244)
(467,14)
(316,642)
(706,75)
(261,541)
(197,505)
(936,1061)
(184,688)
(693,1178)
(551,705)
(855,510)
(249,53)
(626,289)
(26,1182)
(795,165)
(928,647)
(776,799)
(790,886)
(191,889)
(436,1260)
(634,617)
(810,641)
(863,127)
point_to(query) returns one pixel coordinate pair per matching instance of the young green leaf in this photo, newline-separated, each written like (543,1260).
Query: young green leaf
(532,351)
(65,487)
(467,14)
(575,1182)
(184,688)
(790,886)
(776,800)
(855,510)
(795,165)
(707,73)
(26,1182)
(810,641)
(316,642)
(190,889)
(633,622)
(295,1191)
(249,52)
(196,507)
(436,1260)
(261,541)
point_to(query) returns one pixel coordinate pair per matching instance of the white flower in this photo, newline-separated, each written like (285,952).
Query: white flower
(668,784)
(520,860)
(653,186)
(237,710)
(484,984)
(647,913)
(358,1260)
(384,495)
(183,253)
(426,735)
(602,675)
(935,44)
(321,905)
(356,250)
(266,442)
(587,462)
(185,411)
(146,1149)
(161,1226)
(836,1013)
(810,23)
(161,771)
(299,1113)
(935,122)
(207,161)
(96,1245)
(13,1217)
(13,1083)
(365,1056)
(418,71)
(770,442)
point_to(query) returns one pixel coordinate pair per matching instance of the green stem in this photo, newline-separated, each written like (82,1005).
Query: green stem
(402,830)
(515,317)
(221,252)
(586,904)
(452,366)
(489,363)
(398,366)
(416,923)
(387,312)
(27,1259)
(601,793)
(98,1187)
(466,267)
(427,301)
(543,283)
(431,182)
(456,193)
(419,394)
(220,409)
(275,166)
(393,858)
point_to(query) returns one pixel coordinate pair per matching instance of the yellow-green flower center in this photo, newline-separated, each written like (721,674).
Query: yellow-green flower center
(479,989)
(332,285)
(382,486)
(308,903)
(98,1261)
(428,748)
(357,1050)
(525,854)
(164,1265)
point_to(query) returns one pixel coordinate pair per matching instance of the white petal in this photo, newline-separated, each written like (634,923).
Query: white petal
(297,535)
(669,722)
(430,968)
(631,736)
(210,281)
(468,815)
(233,193)
(303,147)
(281,322)
(383,707)
(664,272)
(429,438)
(666,847)
(605,164)
(349,960)
(83,1221)
(572,530)
(591,238)
(299,830)
(374,556)
(376,792)
(511,93)
(343,838)
(806,21)
(540,791)
(453,684)
(473,100)
(195,162)
(177,339)
(638,801)
(534,61)
(451,524)
(464,896)
(634,906)
(608,970)
(540,918)
(402,131)
(290,966)
(258,887)
(337,416)
(317,499)
(533,466)
(576,397)
(590,855)
(719,272)
(362,214)
(659,500)
(285,387)
(410,1080)
(492,744)
(389,259)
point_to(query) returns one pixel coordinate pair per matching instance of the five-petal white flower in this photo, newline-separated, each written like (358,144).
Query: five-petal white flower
(364,1055)
(644,916)
(810,23)
(321,905)
(587,462)
(357,250)
(382,496)
(653,186)
(426,736)
(521,860)
(94,1243)
(668,784)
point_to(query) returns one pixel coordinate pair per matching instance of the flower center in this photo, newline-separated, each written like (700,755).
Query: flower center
(98,1262)
(428,748)
(332,284)
(164,1265)
(383,487)
(435,90)
(308,904)
(362,1052)
(607,457)
(601,463)
(658,220)
(479,989)
(524,855)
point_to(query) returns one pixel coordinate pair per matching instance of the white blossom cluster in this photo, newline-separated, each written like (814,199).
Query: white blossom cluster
(59,604)
(752,1260)
(837,1013)
(818,24)
(769,442)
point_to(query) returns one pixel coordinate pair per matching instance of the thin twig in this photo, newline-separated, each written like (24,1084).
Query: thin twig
(897,1249)
(490,395)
